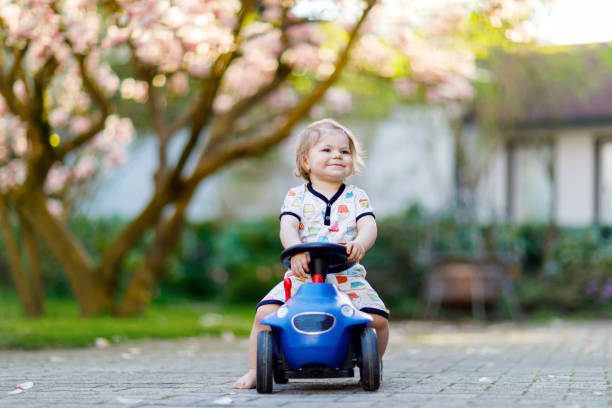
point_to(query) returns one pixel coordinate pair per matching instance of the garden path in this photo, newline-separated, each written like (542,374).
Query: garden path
(556,364)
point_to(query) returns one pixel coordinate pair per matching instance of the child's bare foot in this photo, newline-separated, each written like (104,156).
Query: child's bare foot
(247,381)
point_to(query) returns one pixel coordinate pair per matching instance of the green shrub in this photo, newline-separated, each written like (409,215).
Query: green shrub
(563,269)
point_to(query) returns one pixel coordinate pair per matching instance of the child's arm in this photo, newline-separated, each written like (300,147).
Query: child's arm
(366,236)
(289,236)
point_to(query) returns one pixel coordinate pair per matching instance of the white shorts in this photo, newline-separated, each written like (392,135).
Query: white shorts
(352,282)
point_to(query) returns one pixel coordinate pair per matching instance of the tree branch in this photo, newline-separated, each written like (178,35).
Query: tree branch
(43,155)
(6,89)
(167,192)
(209,92)
(234,149)
(285,25)
(157,111)
(224,125)
(102,101)
(17,69)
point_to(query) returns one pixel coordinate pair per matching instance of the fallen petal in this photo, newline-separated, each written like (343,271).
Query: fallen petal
(15,391)
(210,320)
(18,389)
(123,400)
(485,380)
(101,342)
(228,336)
(223,401)
(25,386)
(597,393)
(126,356)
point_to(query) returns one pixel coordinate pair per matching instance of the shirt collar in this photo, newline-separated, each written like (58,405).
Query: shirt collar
(322,197)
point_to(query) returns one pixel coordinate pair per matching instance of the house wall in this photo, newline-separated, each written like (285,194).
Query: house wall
(409,159)
(573,155)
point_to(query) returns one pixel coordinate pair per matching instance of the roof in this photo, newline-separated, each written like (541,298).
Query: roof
(552,87)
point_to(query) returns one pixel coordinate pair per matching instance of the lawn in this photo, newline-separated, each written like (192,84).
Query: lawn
(63,327)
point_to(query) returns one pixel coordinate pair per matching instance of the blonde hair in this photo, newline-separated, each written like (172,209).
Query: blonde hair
(311,135)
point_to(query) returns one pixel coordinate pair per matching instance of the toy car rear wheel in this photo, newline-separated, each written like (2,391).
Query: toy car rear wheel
(265,361)
(369,371)
(279,377)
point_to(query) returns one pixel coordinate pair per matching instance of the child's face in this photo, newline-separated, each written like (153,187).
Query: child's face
(330,159)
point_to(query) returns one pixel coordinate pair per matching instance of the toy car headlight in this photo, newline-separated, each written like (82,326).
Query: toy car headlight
(282,311)
(347,310)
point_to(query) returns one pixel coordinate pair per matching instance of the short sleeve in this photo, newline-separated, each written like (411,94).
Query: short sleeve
(363,206)
(293,204)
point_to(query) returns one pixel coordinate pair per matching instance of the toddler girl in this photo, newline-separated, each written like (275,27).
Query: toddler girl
(325,210)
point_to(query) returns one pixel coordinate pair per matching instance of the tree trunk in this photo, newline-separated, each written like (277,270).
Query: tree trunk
(167,236)
(26,296)
(34,264)
(129,236)
(92,297)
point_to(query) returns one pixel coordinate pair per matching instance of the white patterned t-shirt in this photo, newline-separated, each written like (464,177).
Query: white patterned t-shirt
(323,220)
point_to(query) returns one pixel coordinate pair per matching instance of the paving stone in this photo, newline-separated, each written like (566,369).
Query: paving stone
(557,365)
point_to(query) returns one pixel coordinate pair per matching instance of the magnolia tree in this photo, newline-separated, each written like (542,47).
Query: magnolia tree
(237,76)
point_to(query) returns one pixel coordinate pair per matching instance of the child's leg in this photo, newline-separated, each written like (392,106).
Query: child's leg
(381,325)
(250,378)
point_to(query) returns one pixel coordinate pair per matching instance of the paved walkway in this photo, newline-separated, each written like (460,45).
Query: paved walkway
(428,365)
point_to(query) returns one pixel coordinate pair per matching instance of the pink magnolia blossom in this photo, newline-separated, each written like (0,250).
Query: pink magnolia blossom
(223,103)
(114,158)
(55,207)
(282,99)
(406,87)
(179,83)
(80,124)
(57,178)
(85,167)
(12,174)
(414,42)
(339,100)
(302,56)
(59,117)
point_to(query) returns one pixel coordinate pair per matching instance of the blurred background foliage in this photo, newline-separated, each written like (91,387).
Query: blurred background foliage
(558,271)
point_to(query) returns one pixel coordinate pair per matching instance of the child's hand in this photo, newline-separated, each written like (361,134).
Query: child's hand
(355,251)
(299,264)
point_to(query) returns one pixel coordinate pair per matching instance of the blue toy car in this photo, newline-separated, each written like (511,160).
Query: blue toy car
(317,333)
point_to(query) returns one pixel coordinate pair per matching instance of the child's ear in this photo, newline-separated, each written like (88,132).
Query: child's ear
(305,162)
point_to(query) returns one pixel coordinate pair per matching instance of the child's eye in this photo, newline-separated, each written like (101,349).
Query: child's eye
(327,150)
(346,152)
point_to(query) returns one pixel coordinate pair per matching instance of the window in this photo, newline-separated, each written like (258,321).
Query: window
(531,192)
(603,199)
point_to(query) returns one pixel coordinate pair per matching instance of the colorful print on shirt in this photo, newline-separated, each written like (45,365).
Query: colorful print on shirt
(323,220)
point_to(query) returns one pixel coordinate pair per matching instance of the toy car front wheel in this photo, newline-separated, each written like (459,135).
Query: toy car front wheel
(369,370)
(265,361)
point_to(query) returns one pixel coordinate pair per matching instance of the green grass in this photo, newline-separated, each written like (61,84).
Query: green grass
(63,327)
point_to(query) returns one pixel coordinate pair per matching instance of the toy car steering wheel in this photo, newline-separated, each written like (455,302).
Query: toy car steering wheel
(325,257)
